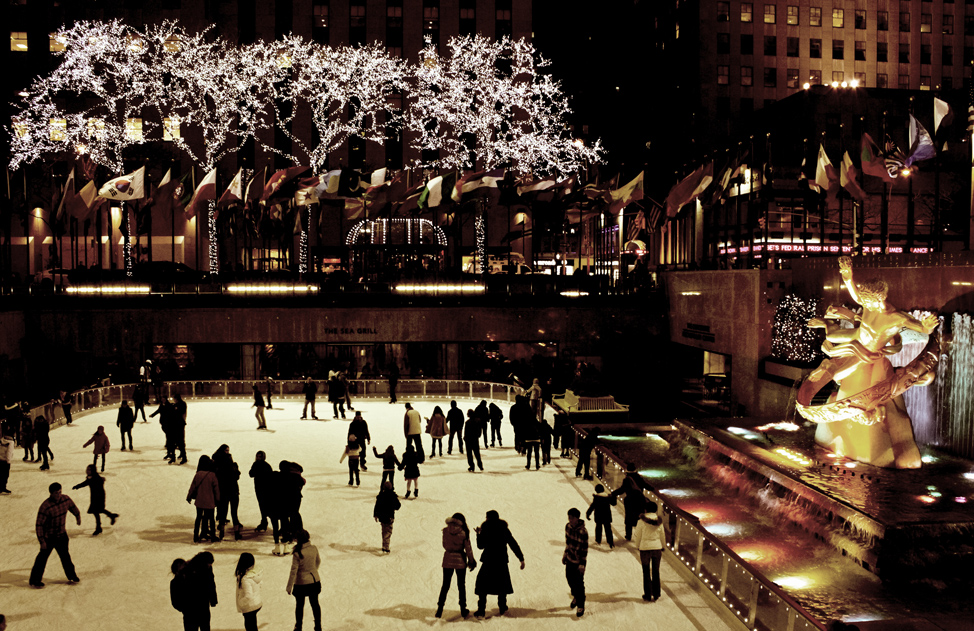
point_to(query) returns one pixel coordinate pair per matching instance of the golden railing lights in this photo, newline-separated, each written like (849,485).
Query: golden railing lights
(574,293)
(962,283)
(109,290)
(689,293)
(277,288)
(444,288)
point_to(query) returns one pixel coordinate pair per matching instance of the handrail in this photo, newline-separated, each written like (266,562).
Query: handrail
(694,521)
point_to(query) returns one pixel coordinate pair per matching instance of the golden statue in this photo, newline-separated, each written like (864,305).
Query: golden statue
(866,418)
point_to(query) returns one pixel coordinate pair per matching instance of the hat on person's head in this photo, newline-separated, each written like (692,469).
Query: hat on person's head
(352,438)
(387,485)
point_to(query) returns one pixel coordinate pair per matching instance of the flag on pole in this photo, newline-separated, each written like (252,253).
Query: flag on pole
(872,159)
(688,188)
(68,191)
(536,185)
(472,181)
(637,225)
(438,190)
(921,145)
(821,175)
(251,192)
(81,205)
(631,192)
(941,113)
(234,192)
(131,186)
(279,179)
(205,192)
(354,208)
(847,178)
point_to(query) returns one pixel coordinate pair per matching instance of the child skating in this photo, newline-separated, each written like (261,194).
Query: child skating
(96,507)
(352,451)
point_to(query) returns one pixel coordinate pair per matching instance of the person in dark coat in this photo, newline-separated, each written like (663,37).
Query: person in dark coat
(261,471)
(360,429)
(634,502)
(205,490)
(393,381)
(531,436)
(494,537)
(483,417)
(389,464)
(410,468)
(96,506)
(496,416)
(27,438)
(520,414)
(66,399)
(259,404)
(601,507)
(125,423)
(336,396)
(457,557)
(562,433)
(43,436)
(471,436)
(575,557)
(454,419)
(138,403)
(227,474)
(177,590)
(545,432)
(178,426)
(585,447)
(384,512)
(270,389)
(200,591)
(290,498)
(310,390)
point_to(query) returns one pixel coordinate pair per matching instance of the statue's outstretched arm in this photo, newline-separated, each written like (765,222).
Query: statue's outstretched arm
(845,271)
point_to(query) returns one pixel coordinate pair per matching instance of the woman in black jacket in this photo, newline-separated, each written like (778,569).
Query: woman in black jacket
(494,537)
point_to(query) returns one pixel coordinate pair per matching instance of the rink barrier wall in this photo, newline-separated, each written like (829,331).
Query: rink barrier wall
(755,601)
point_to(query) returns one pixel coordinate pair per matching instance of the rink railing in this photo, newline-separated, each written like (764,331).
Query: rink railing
(754,600)
(113,395)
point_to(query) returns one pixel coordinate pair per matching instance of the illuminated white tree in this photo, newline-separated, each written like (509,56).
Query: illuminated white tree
(345,89)
(484,104)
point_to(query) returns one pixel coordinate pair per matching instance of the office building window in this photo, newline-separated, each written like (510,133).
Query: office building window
(431,21)
(815,48)
(881,80)
(948,28)
(815,16)
(838,18)
(468,17)
(394,15)
(860,51)
(747,12)
(770,77)
(925,53)
(96,128)
(968,54)
(770,46)
(173,44)
(58,129)
(882,20)
(969,25)
(882,51)
(904,22)
(861,78)
(723,73)
(904,83)
(926,23)
(924,82)
(791,44)
(792,15)
(319,15)
(723,11)
(747,75)
(838,49)
(815,77)
(170,129)
(747,44)
(723,44)
(947,56)
(947,82)
(18,42)
(394,36)
(792,77)
(56,43)
(356,22)
(860,19)
(838,76)
(904,53)
(503,25)
(769,13)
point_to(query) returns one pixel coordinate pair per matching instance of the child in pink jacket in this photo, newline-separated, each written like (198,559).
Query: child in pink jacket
(101,446)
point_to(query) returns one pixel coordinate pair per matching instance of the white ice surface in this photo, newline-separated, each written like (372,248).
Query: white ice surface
(125,571)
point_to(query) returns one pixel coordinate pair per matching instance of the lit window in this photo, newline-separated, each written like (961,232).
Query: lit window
(170,128)
(20,128)
(926,23)
(133,129)
(723,72)
(924,82)
(173,44)
(747,75)
(18,41)
(56,42)
(815,16)
(677,31)
(59,129)
(793,77)
(747,12)
(96,128)
(838,75)
(861,78)
(792,15)
(284,58)
(769,13)
(134,42)
(815,77)
(838,18)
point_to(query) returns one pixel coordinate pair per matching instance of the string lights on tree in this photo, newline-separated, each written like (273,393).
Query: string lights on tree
(791,339)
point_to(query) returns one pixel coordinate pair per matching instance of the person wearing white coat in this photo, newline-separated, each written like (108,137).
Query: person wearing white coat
(649,538)
(248,590)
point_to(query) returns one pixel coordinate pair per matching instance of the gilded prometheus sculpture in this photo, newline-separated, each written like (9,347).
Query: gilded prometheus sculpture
(870,389)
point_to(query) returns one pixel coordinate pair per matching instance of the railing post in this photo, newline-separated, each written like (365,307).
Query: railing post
(752,604)
(724,565)
(226,386)
(699,560)
(676,536)
(424,387)
(471,389)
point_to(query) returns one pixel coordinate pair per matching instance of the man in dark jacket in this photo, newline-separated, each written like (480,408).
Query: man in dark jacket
(635,502)
(520,414)
(42,433)
(310,389)
(471,436)
(585,447)
(125,422)
(360,429)
(384,512)
(336,396)
(454,419)
(494,537)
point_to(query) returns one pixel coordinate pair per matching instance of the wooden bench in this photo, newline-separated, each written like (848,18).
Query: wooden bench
(571,403)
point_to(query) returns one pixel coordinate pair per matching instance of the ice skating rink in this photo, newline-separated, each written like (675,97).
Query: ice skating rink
(125,571)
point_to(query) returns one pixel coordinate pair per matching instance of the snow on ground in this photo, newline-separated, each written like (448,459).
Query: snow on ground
(125,571)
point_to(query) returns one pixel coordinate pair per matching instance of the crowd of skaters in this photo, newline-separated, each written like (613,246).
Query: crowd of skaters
(215,492)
